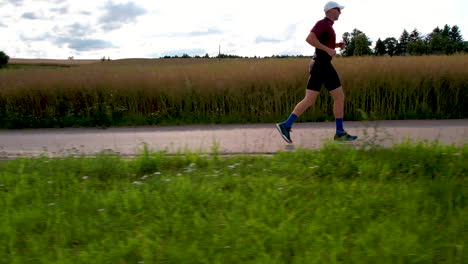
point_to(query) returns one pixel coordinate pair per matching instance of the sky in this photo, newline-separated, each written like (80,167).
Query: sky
(92,29)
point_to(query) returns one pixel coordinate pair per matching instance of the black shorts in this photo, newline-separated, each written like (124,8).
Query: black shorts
(323,73)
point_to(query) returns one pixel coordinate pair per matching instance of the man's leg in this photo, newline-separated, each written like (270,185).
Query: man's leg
(338,111)
(338,102)
(308,101)
(285,127)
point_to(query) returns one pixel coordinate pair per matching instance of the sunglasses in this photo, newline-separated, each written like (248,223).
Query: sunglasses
(337,9)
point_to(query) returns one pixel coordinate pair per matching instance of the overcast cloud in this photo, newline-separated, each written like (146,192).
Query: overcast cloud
(117,15)
(90,29)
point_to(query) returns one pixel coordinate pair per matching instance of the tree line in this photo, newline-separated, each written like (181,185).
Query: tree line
(447,40)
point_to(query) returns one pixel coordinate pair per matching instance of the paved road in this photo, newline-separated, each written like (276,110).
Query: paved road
(226,139)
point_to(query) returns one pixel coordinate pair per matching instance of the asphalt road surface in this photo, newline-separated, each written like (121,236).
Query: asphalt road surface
(225,139)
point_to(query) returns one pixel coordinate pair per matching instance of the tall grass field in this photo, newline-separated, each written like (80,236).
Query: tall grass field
(338,204)
(197,91)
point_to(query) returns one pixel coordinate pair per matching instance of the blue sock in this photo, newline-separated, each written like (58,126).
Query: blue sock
(288,123)
(339,126)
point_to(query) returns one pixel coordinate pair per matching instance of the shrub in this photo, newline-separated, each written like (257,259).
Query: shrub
(3,59)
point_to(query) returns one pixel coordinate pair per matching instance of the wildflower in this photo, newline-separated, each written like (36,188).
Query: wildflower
(85,177)
(178,174)
(50,182)
(234,165)
(100,210)
(280,189)
(137,182)
(51,204)
(168,180)
(157,173)
(314,167)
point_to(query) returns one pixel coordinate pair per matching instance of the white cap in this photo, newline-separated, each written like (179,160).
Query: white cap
(331,5)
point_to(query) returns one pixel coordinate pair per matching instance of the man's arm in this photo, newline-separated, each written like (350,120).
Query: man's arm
(313,40)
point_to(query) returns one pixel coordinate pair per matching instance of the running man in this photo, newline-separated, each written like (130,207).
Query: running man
(322,37)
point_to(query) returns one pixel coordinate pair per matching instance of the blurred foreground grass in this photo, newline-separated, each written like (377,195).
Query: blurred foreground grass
(406,204)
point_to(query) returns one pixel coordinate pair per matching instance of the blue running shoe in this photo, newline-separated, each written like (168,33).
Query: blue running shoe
(344,137)
(284,132)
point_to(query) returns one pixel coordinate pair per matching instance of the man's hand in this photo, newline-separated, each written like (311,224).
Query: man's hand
(331,52)
(341,45)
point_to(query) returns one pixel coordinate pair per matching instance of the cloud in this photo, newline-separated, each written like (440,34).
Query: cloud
(268,40)
(20,2)
(79,30)
(84,44)
(117,15)
(30,15)
(15,2)
(210,31)
(291,31)
(288,34)
(62,10)
(42,37)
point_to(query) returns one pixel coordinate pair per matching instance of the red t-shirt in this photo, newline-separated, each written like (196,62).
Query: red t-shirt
(325,33)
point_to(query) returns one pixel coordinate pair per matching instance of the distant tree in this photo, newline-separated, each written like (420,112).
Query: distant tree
(230,56)
(415,44)
(446,31)
(456,38)
(403,43)
(185,56)
(380,48)
(3,59)
(206,56)
(348,50)
(417,48)
(357,43)
(391,46)
(414,36)
(436,43)
(362,44)
(455,34)
(445,41)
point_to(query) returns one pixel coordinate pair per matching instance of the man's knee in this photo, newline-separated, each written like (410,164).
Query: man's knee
(338,94)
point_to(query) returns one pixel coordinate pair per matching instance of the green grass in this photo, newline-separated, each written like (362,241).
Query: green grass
(406,204)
